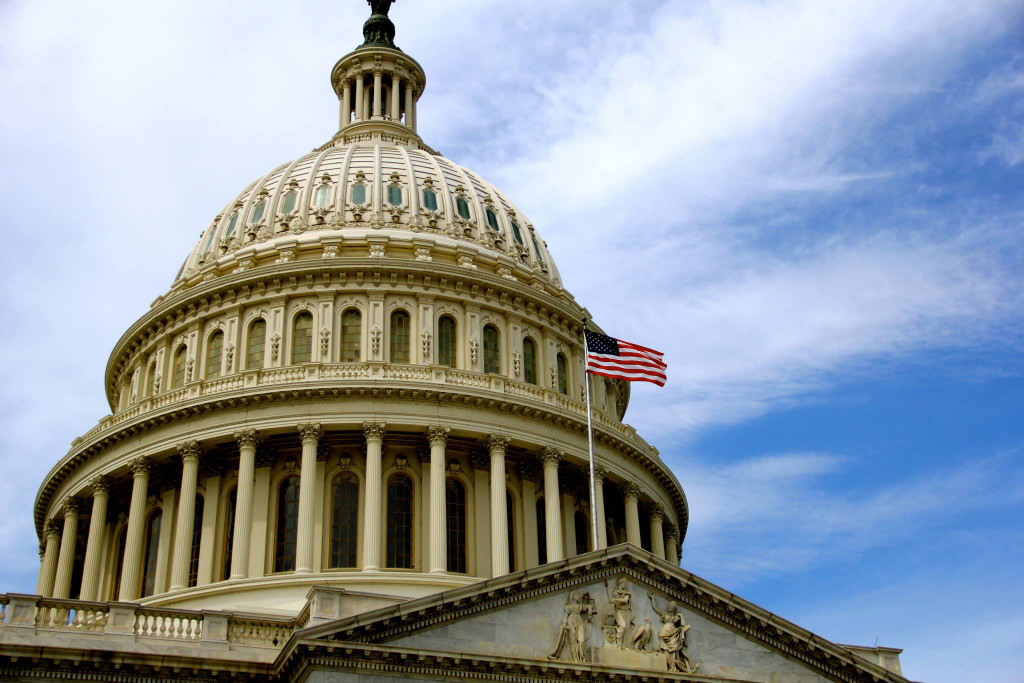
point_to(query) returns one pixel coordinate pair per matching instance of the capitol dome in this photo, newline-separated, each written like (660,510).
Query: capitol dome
(366,375)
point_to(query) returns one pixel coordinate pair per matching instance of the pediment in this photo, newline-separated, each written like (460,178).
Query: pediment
(616,612)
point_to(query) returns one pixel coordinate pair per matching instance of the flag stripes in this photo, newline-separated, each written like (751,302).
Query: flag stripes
(619,359)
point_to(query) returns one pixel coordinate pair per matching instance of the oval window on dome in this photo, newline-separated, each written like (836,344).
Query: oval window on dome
(462,206)
(359,194)
(288,204)
(492,220)
(516,233)
(429,200)
(322,197)
(257,211)
(394,195)
(231,224)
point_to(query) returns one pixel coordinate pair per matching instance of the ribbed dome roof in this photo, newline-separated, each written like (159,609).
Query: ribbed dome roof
(353,188)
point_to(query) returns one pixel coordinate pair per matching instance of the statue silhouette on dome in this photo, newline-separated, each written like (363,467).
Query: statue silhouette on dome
(380,6)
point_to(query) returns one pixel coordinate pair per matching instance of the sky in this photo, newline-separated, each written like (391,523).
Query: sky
(813,207)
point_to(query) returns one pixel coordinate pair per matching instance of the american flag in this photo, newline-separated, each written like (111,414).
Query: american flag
(610,357)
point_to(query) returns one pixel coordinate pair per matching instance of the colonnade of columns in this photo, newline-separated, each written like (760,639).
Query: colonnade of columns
(366,107)
(59,545)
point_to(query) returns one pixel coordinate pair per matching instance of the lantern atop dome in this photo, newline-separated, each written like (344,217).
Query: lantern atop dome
(378,29)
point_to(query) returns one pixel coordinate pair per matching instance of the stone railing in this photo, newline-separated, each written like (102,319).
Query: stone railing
(129,619)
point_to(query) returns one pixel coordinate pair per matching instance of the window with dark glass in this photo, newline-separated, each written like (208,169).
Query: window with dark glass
(542,533)
(358,194)
(149,556)
(462,206)
(492,220)
(291,197)
(209,239)
(446,343)
(455,508)
(214,354)
(429,200)
(78,563)
(122,541)
(492,349)
(399,337)
(529,361)
(256,343)
(257,211)
(516,233)
(229,536)
(582,532)
(510,517)
(563,374)
(232,222)
(395,195)
(180,357)
(536,248)
(302,338)
(351,327)
(399,522)
(197,533)
(344,520)
(287,525)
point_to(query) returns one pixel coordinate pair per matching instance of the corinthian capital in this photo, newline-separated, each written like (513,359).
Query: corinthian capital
(374,430)
(655,511)
(189,450)
(71,506)
(671,530)
(550,456)
(310,431)
(599,473)
(141,466)
(438,434)
(51,528)
(247,438)
(497,441)
(630,490)
(101,484)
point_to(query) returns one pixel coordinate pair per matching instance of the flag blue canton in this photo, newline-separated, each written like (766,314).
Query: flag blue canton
(599,343)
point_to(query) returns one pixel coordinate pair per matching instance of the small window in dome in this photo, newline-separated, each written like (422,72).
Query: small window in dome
(359,194)
(515,233)
(231,224)
(429,200)
(492,220)
(462,206)
(257,211)
(536,247)
(322,197)
(394,195)
(209,240)
(290,198)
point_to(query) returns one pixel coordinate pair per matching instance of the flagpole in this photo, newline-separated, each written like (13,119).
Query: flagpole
(590,443)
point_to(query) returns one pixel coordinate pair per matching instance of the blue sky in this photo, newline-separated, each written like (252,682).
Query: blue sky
(814,208)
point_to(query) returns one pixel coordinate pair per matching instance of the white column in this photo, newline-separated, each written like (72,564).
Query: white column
(346,104)
(48,570)
(408,103)
(66,561)
(657,533)
(672,543)
(94,545)
(247,441)
(131,564)
(438,437)
(359,95)
(410,114)
(602,530)
(631,493)
(374,433)
(529,473)
(499,511)
(552,507)
(211,471)
(377,74)
(307,496)
(186,514)
(396,100)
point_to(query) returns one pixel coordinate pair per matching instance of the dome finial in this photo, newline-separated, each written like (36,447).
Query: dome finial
(378,29)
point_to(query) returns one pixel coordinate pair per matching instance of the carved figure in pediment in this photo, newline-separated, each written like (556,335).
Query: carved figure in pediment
(621,601)
(642,637)
(672,637)
(575,627)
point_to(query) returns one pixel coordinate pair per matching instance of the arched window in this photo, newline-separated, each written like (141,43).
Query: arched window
(542,533)
(232,222)
(257,211)
(462,206)
(455,509)
(517,233)
(287,525)
(536,248)
(151,379)
(351,327)
(152,546)
(214,354)
(395,195)
(322,197)
(197,533)
(399,337)
(429,200)
(359,193)
(563,374)
(229,536)
(492,220)
(582,532)
(122,541)
(257,343)
(399,522)
(446,341)
(529,361)
(344,520)
(510,517)
(180,357)
(492,349)
(291,198)
(209,240)
(302,338)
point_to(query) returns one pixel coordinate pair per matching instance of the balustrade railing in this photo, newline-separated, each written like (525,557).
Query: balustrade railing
(70,615)
(168,624)
(259,632)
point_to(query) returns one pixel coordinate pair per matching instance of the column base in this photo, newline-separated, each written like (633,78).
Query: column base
(370,568)
(438,571)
